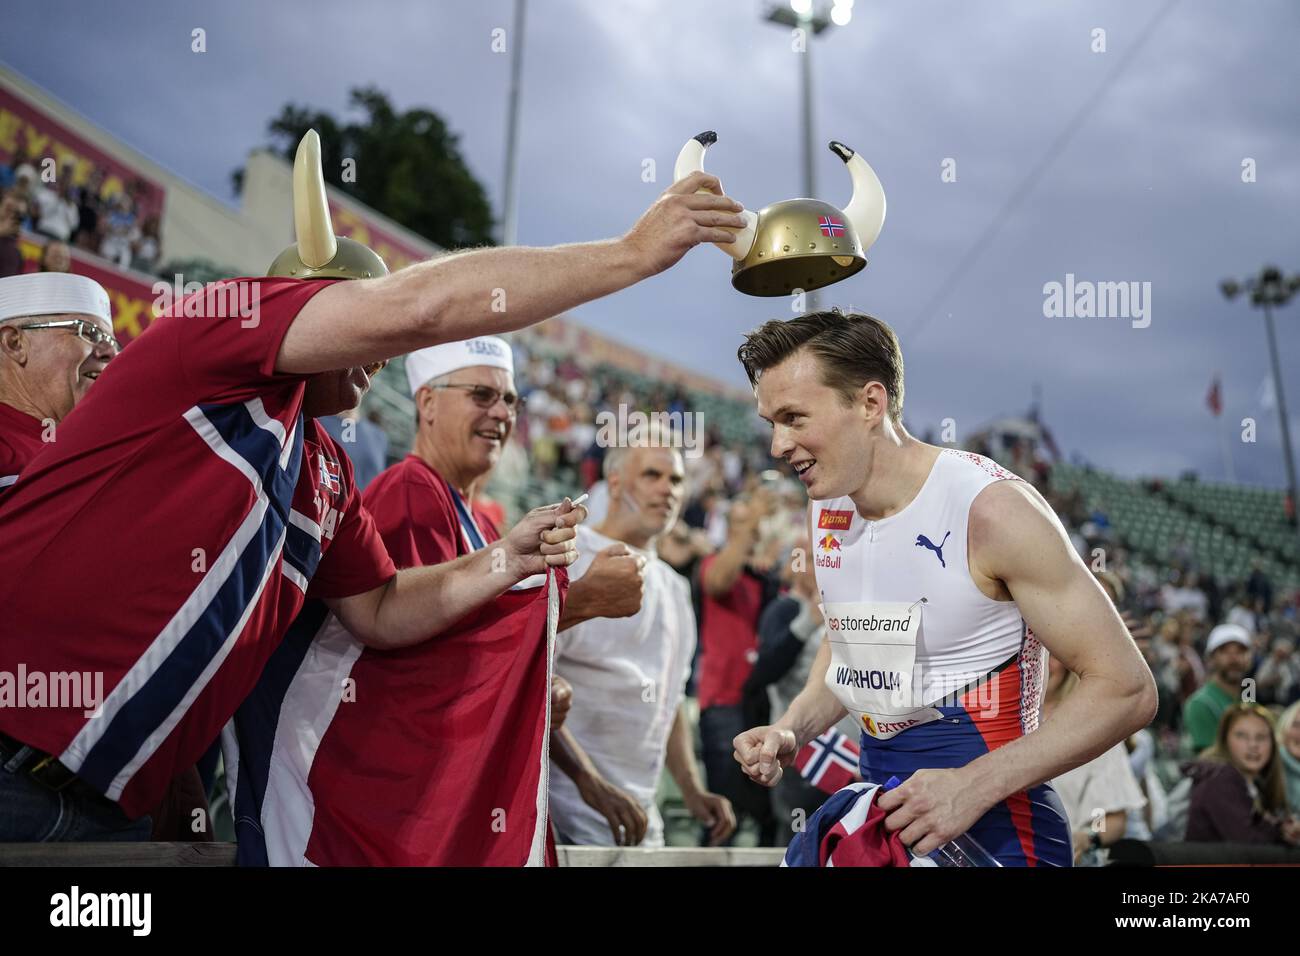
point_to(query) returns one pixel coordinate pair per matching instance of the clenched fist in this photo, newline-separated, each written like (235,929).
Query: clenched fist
(762,752)
(614,584)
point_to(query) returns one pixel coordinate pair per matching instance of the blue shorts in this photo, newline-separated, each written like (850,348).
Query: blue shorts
(1028,828)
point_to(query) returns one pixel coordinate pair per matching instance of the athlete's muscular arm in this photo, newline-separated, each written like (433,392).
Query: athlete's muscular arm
(1015,538)
(762,752)
(421,602)
(482,291)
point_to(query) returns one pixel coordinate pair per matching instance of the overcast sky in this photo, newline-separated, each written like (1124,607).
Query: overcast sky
(1123,165)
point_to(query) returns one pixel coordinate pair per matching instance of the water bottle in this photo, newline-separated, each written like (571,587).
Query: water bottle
(961,850)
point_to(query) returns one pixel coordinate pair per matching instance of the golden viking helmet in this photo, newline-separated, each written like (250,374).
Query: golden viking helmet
(799,243)
(318,253)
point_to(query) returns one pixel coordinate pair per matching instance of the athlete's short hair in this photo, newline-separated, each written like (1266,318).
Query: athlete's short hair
(853,349)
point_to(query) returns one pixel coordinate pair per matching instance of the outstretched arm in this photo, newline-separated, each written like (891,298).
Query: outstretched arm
(419,603)
(482,291)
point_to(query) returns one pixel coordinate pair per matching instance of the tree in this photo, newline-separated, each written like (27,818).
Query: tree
(408,166)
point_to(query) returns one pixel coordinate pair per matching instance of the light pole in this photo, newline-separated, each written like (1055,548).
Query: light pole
(510,201)
(1268,289)
(801,15)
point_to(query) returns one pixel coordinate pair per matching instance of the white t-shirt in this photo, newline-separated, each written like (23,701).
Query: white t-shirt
(1101,786)
(628,675)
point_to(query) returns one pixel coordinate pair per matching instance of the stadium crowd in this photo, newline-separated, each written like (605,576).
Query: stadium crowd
(89,217)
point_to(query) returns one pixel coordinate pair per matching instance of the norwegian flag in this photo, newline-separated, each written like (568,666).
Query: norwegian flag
(849,830)
(330,478)
(1214,399)
(829,762)
(831,226)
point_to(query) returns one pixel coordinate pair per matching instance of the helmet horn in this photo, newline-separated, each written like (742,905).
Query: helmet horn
(311,211)
(866,210)
(691,160)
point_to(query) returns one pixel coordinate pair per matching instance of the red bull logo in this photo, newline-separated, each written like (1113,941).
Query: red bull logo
(827,545)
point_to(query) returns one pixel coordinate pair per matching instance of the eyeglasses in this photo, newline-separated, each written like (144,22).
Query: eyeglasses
(86,331)
(484,396)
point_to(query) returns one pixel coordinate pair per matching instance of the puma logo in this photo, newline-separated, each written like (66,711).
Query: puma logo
(923,542)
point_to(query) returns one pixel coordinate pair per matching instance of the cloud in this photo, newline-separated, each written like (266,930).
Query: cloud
(1148,187)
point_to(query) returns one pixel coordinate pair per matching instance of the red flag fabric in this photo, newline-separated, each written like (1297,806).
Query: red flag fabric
(437,754)
(1214,398)
(848,830)
(447,766)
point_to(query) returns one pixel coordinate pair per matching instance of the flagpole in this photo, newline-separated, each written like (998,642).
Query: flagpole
(1227,451)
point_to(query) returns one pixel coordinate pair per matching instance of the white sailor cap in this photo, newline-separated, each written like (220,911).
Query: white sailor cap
(53,293)
(427,364)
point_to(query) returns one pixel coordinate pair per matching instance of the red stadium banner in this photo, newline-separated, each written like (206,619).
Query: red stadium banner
(24,128)
(396,252)
(131,293)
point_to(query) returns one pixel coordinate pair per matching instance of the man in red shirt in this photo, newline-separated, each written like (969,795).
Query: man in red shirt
(736,586)
(438,758)
(215,505)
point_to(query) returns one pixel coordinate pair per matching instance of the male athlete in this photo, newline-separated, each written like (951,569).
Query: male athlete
(943,578)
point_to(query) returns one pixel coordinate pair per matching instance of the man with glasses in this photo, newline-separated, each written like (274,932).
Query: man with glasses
(438,760)
(56,337)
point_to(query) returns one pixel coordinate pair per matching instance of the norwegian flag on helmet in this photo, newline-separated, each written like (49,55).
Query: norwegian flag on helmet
(831,226)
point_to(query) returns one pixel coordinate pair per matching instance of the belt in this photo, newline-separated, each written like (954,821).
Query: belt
(40,766)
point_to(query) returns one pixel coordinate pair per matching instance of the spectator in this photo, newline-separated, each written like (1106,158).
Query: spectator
(12,211)
(25,189)
(1259,588)
(1098,795)
(1183,662)
(57,215)
(1288,748)
(790,633)
(1228,655)
(736,588)
(145,255)
(56,257)
(629,673)
(1238,792)
(26,170)
(1278,679)
(1141,824)
(120,232)
(89,209)
(1242,614)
